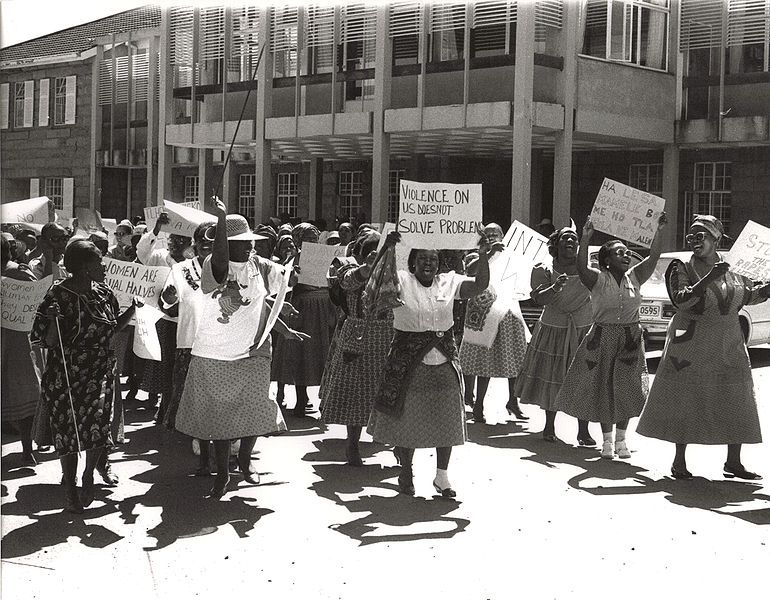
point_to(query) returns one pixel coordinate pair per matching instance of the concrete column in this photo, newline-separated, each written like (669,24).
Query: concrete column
(262,149)
(95,172)
(536,186)
(152,124)
(165,114)
(522,112)
(315,193)
(566,90)
(383,69)
(206,179)
(671,194)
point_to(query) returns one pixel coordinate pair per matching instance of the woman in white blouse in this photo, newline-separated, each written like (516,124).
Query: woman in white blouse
(420,402)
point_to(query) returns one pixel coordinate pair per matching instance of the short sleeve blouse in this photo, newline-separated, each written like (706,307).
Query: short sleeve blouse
(615,303)
(427,308)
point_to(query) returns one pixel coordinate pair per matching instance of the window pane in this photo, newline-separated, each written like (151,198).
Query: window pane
(191,188)
(54,189)
(286,202)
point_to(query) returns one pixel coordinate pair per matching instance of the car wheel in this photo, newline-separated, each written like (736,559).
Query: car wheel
(745,329)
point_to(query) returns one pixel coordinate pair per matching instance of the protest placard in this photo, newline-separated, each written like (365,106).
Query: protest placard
(151,212)
(750,254)
(146,342)
(89,220)
(183,220)
(110,225)
(627,213)
(525,248)
(19,301)
(440,215)
(275,310)
(34,210)
(129,280)
(314,261)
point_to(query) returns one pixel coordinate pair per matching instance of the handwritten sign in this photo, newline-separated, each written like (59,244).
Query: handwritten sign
(129,280)
(314,261)
(524,248)
(19,301)
(750,254)
(151,212)
(440,215)
(627,213)
(146,342)
(183,220)
(35,210)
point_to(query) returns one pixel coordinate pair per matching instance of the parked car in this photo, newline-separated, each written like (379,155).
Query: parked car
(656,310)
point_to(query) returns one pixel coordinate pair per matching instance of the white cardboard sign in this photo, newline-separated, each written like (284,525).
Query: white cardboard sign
(151,216)
(627,213)
(314,261)
(19,301)
(146,342)
(34,210)
(440,215)
(750,254)
(131,280)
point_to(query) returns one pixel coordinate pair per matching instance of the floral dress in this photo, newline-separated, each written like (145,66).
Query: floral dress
(87,325)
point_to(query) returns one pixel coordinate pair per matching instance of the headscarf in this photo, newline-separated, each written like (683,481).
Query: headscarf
(285,229)
(364,238)
(269,233)
(300,230)
(711,224)
(279,246)
(553,240)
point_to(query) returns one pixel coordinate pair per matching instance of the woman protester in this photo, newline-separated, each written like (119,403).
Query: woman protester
(703,391)
(75,323)
(20,388)
(566,319)
(225,393)
(495,336)
(355,365)
(296,363)
(420,402)
(607,380)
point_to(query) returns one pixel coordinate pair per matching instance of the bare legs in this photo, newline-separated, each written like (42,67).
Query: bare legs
(732,468)
(440,482)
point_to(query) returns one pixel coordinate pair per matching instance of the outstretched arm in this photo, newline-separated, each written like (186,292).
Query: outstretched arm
(645,268)
(220,255)
(588,275)
(469,289)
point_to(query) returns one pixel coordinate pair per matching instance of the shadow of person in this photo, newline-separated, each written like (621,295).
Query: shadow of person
(333,450)
(388,516)
(50,529)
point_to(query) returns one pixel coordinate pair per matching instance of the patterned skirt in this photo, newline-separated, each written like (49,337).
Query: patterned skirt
(181,365)
(506,355)
(302,363)
(703,391)
(20,386)
(607,381)
(546,363)
(353,372)
(158,375)
(228,399)
(433,417)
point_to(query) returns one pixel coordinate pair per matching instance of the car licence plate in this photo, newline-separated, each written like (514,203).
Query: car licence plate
(649,312)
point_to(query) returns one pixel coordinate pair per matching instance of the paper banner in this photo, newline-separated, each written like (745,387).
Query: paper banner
(750,254)
(275,311)
(19,301)
(89,220)
(627,213)
(146,342)
(440,215)
(314,261)
(151,212)
(35,210)
(183,218)
(129,280)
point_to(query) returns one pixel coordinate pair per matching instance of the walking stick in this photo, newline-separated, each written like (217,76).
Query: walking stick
(69,387)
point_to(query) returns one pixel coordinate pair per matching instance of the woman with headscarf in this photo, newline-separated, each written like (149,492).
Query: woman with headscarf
(495,336)
(607,380)
(225,393)
(703,391)
(420,403)
(566,319)
(75,323)
(302,364)
(264,247)
(355,363)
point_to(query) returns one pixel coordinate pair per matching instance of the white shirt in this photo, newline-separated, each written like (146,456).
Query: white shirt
(186,279)
(427,308)
(233,313)
(150,256)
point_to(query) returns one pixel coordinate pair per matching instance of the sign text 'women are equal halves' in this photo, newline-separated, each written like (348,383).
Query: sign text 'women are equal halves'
(439,215)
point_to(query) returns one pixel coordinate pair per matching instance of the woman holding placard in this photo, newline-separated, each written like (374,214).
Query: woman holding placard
(76,323)
(495,337)
(302,364)
(566,319)
(703,391)
(420,404)
(607,380)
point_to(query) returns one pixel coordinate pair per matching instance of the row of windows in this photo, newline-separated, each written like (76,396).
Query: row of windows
(57,95)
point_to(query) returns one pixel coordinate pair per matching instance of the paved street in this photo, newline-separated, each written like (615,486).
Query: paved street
(532,519)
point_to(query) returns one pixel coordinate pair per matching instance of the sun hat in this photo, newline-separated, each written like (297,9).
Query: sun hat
(238,229)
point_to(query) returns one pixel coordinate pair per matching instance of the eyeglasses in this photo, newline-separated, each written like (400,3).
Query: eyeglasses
(695,237)
(621,252)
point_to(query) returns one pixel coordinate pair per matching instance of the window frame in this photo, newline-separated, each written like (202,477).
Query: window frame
(394,180)
(49,189)
(60,100)
(247,196)
(647,168)
(712,193)
(350,200)
(191,182)
(286,193)
(19,102)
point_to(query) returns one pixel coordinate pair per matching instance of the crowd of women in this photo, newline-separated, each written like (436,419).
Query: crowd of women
(405,371)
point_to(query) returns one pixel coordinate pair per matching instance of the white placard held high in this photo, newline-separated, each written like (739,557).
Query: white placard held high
(314,261)
(750,254)
(129,280)
(35,210)
(628,213)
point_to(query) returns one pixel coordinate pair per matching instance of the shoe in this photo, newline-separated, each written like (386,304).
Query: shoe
(513,409)
(478,416)
(219,489)
(354,456)
(87,491)
(738,471)
(445,492)
(44,448)
(250,474)
(549,437)
(28,460)
(621,449)
(72,502)
(405,482)
(107,475)
(607,451)
(677,473)
(586,440)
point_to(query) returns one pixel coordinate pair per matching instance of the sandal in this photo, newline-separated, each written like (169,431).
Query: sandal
(678,473)
(739,472)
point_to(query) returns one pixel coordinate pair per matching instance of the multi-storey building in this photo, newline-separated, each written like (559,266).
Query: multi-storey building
(327,107)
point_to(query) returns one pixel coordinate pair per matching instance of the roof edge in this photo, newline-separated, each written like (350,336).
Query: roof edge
(48,60)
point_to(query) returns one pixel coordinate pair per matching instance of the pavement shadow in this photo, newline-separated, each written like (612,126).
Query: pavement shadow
(388,517)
